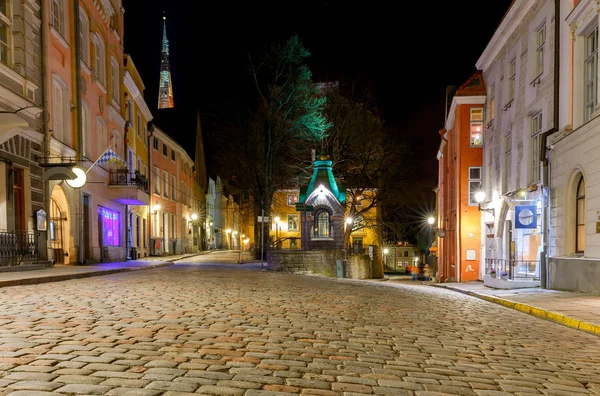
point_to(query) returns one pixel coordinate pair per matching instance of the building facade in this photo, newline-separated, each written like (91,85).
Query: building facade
(573,155)
(460,178)
(84,84)
(132,183)
(518,66)
(22,121)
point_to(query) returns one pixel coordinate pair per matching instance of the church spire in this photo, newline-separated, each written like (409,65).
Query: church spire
(200,160)
(165,89)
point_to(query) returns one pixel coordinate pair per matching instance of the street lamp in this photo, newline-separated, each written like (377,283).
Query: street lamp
(194,216)
(480,197)
(431,220)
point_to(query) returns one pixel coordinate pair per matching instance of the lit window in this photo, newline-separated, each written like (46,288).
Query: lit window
(292,222)
(591,74)
(476,139)
(292,199)
(111,224)
(5,32)
(322,224)
(580,214)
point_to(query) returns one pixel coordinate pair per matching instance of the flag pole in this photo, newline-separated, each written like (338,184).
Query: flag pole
(95,162)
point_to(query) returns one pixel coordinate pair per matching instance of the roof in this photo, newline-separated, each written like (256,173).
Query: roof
(474,86)
(323,175)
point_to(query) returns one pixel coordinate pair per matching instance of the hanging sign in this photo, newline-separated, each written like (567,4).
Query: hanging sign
(526,216)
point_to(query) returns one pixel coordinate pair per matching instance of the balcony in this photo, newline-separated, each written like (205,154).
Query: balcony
(128,188)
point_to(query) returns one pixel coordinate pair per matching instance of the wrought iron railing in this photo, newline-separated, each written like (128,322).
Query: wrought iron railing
(123,177)
(514,269)
(17,247)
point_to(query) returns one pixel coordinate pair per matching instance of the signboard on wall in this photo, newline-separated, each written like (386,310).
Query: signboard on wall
(526,216)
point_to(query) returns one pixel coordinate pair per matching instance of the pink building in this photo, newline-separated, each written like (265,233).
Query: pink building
(86,223)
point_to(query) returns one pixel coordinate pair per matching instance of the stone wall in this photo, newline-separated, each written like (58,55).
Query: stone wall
(320,262)
(574,274)
(359,267)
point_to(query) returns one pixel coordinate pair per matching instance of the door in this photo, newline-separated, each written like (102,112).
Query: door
(56,232)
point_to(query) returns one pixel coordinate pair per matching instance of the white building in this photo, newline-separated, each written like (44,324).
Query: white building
(519,73)
(574,154)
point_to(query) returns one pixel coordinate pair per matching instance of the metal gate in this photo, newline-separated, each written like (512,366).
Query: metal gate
(57,218)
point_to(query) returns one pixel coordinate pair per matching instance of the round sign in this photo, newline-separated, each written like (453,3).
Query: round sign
(526,217)
(80,180)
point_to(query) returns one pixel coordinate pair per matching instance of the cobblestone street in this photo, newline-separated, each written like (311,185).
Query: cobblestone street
(224,329)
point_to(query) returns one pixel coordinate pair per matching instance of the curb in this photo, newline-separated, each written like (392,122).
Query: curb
(533,311)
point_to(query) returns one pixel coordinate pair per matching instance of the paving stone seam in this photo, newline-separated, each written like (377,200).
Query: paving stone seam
(533,311)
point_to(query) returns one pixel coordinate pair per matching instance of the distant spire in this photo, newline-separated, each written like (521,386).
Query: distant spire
(165,89)
(199,159)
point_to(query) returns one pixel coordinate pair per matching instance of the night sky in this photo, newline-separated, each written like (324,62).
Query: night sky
(408,57)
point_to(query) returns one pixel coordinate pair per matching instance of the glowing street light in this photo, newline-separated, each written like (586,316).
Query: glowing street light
(431,220)
(194,216)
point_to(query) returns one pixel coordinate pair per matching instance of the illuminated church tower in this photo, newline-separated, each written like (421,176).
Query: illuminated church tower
(165,90)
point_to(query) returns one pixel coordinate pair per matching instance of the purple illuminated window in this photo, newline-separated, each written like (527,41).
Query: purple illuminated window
(111,224)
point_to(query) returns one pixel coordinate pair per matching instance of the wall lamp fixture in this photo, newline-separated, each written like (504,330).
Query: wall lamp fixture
(480,197)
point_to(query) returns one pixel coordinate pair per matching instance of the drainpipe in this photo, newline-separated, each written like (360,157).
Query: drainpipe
(545,154)
(79,157)
(46,139)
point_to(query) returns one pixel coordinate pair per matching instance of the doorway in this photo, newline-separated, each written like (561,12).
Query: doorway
(56,232)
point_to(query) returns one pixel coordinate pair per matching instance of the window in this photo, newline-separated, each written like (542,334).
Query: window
(173,188)
(60,110)
(292,222)
(580,216)
(144,231)
(540,40)
(115,80)
(489,172)
(84,36)
(474,183)
(110,223)
(5,31)
(138,167)
(507,161)
(155,144)
(292,199)
(101,140)
(99,60)
(322,224)
(536,129)
(358,223)
(590,74)
(156,181)
(492,103)
(19,199)
(138,232)
(57,16)
(139,125)
(86,125)
(512,74)
(172,154)
(165,184)
(165,150)
(476,139)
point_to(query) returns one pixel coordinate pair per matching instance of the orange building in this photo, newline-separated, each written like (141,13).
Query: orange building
(460,159)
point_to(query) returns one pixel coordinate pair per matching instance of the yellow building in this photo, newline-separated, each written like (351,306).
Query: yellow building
(137,115)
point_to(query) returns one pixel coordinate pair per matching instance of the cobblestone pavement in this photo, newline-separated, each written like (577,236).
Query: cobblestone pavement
(218,329)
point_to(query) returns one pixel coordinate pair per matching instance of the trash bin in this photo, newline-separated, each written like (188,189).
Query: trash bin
(133,253)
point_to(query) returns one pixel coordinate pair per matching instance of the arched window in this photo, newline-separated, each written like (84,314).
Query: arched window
(322,224)
(580,217)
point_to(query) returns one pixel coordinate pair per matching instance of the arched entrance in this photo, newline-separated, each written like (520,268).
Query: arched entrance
(58,226)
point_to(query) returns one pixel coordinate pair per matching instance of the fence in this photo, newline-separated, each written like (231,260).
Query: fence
(123,177)
(515,269)
(17,247)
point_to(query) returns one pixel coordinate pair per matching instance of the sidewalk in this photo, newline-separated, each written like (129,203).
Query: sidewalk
(61,272)
(577,310)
